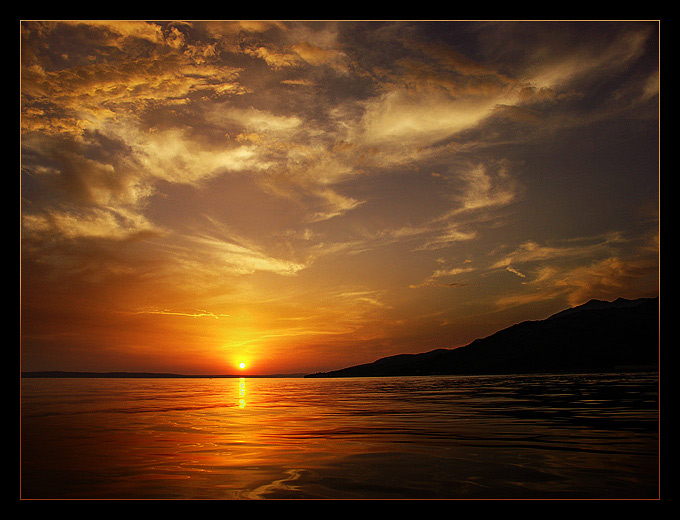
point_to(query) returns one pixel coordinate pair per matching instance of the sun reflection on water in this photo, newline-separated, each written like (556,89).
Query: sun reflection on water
(313,438)
(242,392)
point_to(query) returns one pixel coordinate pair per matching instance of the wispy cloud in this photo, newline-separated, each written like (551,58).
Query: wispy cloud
(515,271)
(578,284)
(591,268)
(196,314)
(585,247)
(96,224)
(229,256)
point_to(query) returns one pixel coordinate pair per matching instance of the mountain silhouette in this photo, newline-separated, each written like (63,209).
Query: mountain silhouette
(595,336)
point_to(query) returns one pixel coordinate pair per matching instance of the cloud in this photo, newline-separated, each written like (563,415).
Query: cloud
(652,85)
(298,55)
(586,268)
(95,224)
(446,236)
(515,271)
(421,117)
(88,129)
(88,94)
(229,256)
(450,60)
(73,91)
(434,279)
(196,314)
(171,155)
(112,32)
(568,57)
(334,204)
(531,251)
(255,120)
(608,278)
(483,189)
(316,55)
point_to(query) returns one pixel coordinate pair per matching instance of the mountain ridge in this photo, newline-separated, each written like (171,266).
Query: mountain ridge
(595,336)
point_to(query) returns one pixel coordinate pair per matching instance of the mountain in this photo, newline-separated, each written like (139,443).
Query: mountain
(595,336)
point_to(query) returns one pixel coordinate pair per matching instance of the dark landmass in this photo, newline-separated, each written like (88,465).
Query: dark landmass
(140,375)
(596,336)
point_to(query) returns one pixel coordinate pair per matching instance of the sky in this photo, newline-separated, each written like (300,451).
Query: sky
(304,196)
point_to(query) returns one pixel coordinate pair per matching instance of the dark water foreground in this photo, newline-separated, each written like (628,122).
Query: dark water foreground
(592,436)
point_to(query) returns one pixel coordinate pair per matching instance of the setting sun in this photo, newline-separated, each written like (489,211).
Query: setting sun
(242,365)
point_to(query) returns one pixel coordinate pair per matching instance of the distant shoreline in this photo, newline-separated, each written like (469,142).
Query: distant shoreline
(56,374)
(151,375)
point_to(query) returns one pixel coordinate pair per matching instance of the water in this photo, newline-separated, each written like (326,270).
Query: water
(591,436)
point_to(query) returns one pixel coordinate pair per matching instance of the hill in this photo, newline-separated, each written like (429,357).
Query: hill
(595,336)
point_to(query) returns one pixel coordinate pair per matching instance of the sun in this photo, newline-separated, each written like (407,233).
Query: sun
(242,365)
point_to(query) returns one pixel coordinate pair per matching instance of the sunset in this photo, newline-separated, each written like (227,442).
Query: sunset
(265,198)
(319,194)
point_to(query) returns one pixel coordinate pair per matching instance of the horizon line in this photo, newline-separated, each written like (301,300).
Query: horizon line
(143,375)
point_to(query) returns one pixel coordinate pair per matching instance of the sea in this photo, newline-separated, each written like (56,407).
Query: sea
(568,436)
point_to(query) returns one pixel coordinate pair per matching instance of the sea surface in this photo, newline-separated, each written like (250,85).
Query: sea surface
(587,436)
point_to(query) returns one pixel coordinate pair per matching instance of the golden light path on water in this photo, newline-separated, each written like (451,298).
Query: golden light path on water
(575,436)
(242,392)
